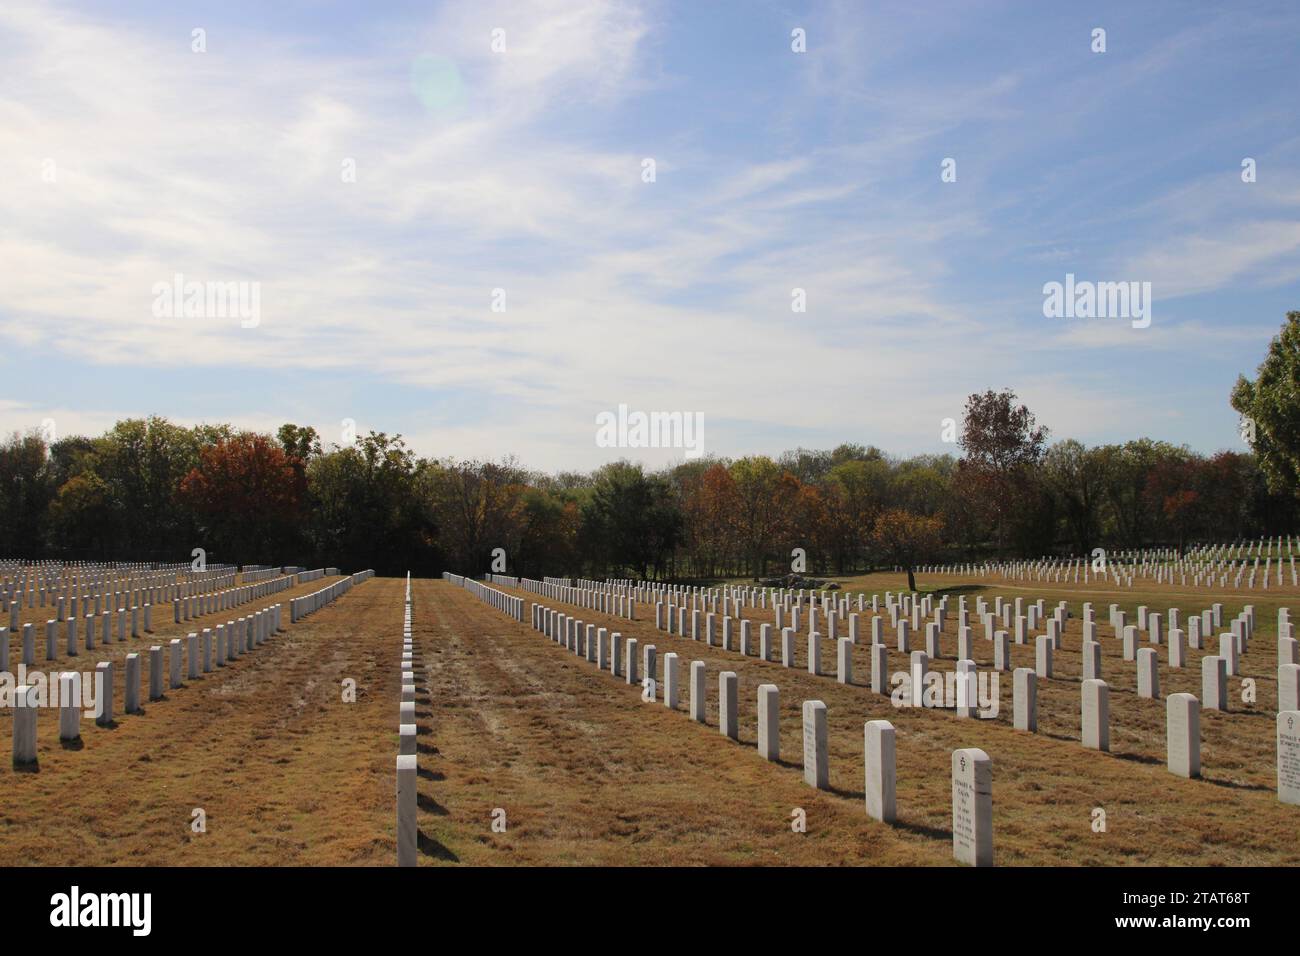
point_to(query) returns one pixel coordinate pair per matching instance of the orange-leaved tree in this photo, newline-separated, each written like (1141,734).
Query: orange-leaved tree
(246,495)
(907,539)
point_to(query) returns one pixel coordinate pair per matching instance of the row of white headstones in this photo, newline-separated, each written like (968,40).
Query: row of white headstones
(603,597)
(229,641)
(407,728)
(972,773)
(971,767)
(301,607)
(113,586)
(603,600)
(1128,568)
(108,585)
(1183,710)
(113,596)
(408,832)
(506,603)
(183,610)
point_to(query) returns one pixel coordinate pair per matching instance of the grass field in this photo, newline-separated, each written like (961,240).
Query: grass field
(588,773)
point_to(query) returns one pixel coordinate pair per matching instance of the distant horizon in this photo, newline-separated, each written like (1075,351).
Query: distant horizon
(952,451)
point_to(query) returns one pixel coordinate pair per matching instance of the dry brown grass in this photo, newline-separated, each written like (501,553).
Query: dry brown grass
(285,771)
(1046,785)
(589,774)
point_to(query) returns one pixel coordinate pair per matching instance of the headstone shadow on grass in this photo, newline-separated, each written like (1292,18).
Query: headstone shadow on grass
(1235,785)
(938,833)
(858,795)
(430,805)
(431,847)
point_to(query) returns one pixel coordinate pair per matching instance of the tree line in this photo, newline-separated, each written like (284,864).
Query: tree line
(151,490)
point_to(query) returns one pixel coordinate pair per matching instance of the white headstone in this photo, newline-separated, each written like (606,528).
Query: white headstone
(1183,735)
(1288,756)
(697,691)
(816,773)
(727,722)
(1214,683)
(1091,660)
(1228,651)
(1096,715)
(881,772)
(631,668)
(1025,699)
(131,693)
(965,644)
(1001,651)
(408,833)
(1288,687)
(1043,656)
(879,669)
(104,703)
(649,662)
(814,653)
(672,679)
(174,652)
(972,807)
(69,706)
(1288,651)
(1177,647)
(25,709)
(1148,672)
(155,672)
(967,689)
(769,722)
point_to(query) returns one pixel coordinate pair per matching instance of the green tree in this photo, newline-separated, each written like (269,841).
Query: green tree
(142,462)
(1133,515)
(478,508)
(26,491)
(632,521)
(765,498)
(1074,475)
(1270,407)
(299,441)
(367,507)
(80,513)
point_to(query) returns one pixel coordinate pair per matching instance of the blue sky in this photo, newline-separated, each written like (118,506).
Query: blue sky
(125,158)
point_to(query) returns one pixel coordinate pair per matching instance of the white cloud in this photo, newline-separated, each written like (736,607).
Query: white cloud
(667,296)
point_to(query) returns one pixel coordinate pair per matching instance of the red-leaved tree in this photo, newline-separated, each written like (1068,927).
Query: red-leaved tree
(245,495)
